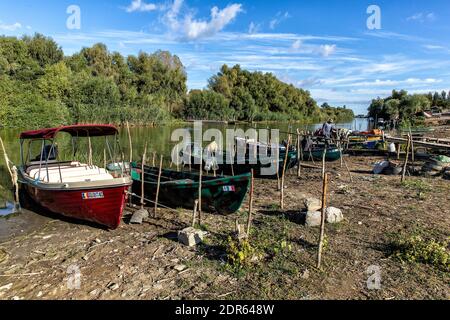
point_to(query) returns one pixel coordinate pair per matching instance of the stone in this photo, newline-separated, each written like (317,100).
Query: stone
(305,274)
(313,204)
(334,215)
(190,236)
(6,286)
(113,286)
(139,216)
(180,267)
(313,218)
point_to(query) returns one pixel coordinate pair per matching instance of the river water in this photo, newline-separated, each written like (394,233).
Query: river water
(158,140)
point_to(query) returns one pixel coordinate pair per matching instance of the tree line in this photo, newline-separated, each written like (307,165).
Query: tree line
(408,108)
(41,87)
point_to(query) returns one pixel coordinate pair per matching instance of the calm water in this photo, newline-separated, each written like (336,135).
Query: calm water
(158,140)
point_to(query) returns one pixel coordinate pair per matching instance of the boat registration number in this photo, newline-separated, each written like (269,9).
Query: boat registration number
(229,188)
(92,195)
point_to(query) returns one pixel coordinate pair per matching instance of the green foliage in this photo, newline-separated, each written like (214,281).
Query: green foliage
(40,87)
(205,104)
(417,249)
(256,96)
(407,108)
(239,253)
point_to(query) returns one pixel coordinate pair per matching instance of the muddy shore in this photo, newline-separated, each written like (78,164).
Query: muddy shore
(39,253)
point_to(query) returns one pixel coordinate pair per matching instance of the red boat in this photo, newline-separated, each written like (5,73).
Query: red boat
(71,187)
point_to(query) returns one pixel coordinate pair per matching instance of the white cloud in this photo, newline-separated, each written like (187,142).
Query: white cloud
(10,27)
(139,5)
(327,50)
(253,28)
(422,17)
(297,44)
(280,17)
(193,29)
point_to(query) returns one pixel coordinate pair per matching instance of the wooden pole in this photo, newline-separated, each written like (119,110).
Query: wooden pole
(178,159)
(284,173)
(200,188)
(322,221)
(408,146)
(143,176)
(104,158)
(412,147)
(324,153)
(348,170)
(90,152)
(299,147)
(129,142)
(277,153)
(250,205)
(398,151)
(194,212)
(153,160)
(157,188)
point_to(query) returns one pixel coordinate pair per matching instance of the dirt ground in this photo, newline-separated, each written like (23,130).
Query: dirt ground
(146,261)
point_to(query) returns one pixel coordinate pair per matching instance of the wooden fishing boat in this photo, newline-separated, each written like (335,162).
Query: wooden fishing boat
(72,188)
(263,166)
(223,195)
(250,155)
(332,154)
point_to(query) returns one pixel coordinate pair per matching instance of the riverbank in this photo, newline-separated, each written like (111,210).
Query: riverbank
(146,261)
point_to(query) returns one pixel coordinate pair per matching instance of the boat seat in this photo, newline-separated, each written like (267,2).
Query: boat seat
(79,173)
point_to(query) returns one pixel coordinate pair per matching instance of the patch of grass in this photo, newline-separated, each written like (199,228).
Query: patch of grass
(416,249)
(417,185)
(274,207)
(239,253)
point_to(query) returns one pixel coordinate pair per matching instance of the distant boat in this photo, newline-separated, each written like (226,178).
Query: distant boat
(72,188)
(332,154)
(223,195)
(263,166)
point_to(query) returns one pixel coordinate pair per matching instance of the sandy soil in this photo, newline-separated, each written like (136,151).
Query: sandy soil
(146,261)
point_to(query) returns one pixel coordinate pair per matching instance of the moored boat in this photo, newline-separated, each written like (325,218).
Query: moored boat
(69,187)
(332,154)
(223,195)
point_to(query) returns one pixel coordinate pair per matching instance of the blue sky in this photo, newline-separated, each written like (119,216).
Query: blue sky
(325,47)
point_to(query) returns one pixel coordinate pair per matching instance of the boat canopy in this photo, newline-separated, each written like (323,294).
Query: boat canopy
(80,130)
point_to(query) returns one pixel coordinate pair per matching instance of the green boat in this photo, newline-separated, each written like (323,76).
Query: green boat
(261,165)
(332,154)
(223,195)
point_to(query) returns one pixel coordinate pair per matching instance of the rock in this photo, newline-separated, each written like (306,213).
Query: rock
(313,218)
(113,286)
(97,240)
(190,236)
(180,267)
(139,216)
(39,294)
(334,215)
(6,286)
(94,292)
(313,204)
(305,274)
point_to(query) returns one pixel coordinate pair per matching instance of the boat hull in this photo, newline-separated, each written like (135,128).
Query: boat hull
(222,195)
(103,206)
(331,155)
(261,169)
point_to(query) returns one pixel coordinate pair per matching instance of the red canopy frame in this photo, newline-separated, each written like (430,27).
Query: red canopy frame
(81,130)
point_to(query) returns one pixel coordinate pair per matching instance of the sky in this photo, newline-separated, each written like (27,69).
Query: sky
(343,52)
